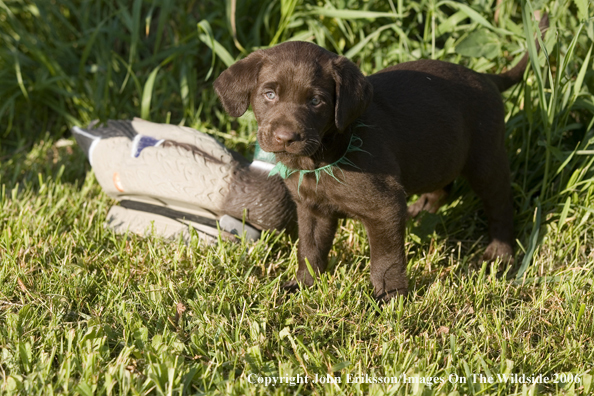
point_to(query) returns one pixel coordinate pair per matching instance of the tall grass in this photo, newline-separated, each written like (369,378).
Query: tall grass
(84,311)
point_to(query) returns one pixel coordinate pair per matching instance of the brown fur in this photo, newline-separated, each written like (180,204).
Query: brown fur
(422,124)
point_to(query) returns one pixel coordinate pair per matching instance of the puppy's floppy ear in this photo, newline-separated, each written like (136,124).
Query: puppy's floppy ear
(353,92)
(235,84)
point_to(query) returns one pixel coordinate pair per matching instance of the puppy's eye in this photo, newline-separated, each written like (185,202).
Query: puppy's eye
(315,101)
(270,95)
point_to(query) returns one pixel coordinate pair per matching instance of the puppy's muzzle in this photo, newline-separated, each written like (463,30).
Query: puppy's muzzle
(287,139)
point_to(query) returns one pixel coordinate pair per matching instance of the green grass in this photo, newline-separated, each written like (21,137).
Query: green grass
(85,311)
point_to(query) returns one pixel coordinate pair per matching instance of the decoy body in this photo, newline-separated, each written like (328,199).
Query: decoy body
(168,177)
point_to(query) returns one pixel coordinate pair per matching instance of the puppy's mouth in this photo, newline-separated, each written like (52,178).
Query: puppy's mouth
(300,147)
(287,155)
(305,148)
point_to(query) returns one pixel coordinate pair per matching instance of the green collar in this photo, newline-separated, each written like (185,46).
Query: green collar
(283,171)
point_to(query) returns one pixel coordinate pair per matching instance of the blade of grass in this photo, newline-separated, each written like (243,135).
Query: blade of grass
(287,10)
(579,81)
(220,51)
(533,242)
(19,76)
(147,94)
(350,14)
(475,16)
(135,30)
(357,48)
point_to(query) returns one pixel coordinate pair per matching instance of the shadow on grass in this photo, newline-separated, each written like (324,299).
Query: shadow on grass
(29,166)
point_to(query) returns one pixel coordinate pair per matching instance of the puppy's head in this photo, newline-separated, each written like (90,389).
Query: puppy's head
(299,92)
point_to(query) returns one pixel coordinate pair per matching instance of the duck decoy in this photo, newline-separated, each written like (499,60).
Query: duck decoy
(168,178)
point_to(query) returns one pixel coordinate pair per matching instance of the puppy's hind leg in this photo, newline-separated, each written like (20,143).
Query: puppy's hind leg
(489,177)
(386,228)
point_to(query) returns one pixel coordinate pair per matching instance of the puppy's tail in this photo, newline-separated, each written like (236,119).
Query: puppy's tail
(516,74)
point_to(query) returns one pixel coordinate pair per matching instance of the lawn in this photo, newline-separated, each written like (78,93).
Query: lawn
(86,311)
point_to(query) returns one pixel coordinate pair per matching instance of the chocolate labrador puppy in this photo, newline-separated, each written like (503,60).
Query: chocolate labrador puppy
(356,146)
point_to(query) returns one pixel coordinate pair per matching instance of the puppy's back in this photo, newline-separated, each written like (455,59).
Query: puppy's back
(431,114)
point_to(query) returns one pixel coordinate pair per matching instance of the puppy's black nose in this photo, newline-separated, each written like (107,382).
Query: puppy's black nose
(285,137)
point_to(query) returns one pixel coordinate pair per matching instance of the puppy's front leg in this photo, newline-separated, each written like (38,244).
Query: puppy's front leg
(316,233)
(386,229)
